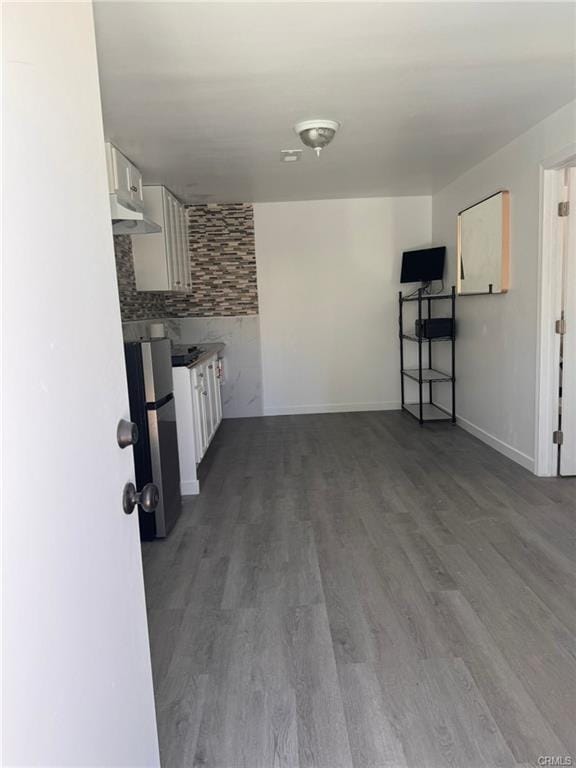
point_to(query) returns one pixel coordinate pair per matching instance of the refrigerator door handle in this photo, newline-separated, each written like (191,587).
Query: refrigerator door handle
(160,403)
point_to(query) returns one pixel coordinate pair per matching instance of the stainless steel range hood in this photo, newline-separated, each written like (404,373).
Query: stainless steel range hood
(127,221)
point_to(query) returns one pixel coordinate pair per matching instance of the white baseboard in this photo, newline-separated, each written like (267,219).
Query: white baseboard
(294,410)
(189,487)
(243,415)
(499,445)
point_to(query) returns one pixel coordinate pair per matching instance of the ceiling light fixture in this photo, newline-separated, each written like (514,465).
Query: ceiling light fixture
(316,134)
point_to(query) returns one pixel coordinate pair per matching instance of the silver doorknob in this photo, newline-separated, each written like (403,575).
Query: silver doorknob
(148,498)
(126,433)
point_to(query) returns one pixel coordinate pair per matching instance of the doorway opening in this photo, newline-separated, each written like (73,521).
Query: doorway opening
(556,396)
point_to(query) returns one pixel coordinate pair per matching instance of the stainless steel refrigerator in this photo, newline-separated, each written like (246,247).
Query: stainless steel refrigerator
(152,408)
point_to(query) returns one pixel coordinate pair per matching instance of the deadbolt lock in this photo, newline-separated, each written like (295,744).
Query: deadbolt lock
(126,433)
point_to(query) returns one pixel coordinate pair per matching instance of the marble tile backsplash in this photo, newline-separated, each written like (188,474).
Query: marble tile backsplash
(242,382)
(135,330)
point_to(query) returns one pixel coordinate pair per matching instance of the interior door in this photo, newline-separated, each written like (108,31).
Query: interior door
(77,684)
(568,399)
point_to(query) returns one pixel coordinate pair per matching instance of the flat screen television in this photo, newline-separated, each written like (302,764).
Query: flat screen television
(424,265)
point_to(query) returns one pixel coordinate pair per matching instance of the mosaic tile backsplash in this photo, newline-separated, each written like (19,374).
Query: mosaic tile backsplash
(223,267)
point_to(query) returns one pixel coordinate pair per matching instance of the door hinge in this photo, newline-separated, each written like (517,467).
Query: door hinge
(564,208)
(560,326)
(558,437)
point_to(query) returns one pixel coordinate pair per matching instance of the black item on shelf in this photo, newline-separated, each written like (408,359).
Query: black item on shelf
(424,265)
(422,410)
(434,328)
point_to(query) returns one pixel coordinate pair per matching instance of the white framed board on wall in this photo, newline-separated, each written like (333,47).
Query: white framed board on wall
(483,252)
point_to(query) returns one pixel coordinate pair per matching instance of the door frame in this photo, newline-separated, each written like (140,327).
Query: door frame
(549,302)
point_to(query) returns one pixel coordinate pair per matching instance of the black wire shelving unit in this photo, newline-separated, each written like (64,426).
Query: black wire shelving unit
(427,376)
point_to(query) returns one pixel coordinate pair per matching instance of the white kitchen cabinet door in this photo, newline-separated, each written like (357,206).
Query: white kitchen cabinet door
(158,261)
(198,415)
(124,179)
(214,395)
(185,255)
(200,399)
(168,239)
(207,404)
(179,237)
(118,174)
(121,167)
(177,240)
(210,386)
(172,235)
(136,188)
(150,252)
(218,372)
(206,410)
(188,458)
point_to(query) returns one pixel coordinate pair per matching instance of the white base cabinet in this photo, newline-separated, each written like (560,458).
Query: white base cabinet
(198,416)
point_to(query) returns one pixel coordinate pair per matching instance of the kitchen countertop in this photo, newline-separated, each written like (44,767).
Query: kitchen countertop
(208,350)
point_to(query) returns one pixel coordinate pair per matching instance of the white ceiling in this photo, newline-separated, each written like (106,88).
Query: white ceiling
(203,96)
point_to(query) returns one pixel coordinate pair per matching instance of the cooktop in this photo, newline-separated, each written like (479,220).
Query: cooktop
(184,355)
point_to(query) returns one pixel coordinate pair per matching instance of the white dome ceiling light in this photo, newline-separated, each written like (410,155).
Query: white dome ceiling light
(316,134)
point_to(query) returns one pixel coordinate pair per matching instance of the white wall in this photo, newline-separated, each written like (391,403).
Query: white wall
(497,335)
(328,280)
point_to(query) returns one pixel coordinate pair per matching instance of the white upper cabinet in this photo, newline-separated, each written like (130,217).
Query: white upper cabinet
(161,260)
(124,179)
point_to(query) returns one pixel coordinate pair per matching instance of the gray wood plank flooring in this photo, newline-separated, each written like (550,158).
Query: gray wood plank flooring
(352,591)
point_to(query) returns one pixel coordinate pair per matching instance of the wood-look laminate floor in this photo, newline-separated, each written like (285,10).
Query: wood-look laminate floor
(353,590)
